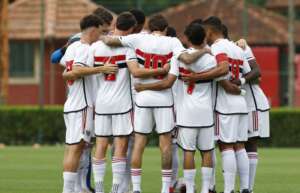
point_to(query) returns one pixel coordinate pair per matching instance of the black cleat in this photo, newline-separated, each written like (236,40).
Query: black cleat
(245,191)
(212,191)
(136,192)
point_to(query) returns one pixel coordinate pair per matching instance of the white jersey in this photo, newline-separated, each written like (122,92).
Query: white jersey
(80,93)
(226,103)
(255,97)
(194,101)
(114,91)
(153,51)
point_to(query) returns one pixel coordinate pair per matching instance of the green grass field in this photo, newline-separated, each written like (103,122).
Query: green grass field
(28,170)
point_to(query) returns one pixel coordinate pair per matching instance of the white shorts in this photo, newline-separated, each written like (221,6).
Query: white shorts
(146,118)
(113,125)
(201,138)
(231,128)
(259,124)
(79,126)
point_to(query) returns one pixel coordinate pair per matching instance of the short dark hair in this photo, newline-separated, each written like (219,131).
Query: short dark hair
(198,21)
(225,31)
(125,21)
(157,23)
(104,14)
(214,22)
(171,32)
(139,16)
(195,33)
(90,21)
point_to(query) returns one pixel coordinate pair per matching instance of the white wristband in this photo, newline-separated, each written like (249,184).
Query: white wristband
(243,92)
(243,81)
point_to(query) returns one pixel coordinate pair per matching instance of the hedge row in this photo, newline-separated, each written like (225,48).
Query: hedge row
(28,125)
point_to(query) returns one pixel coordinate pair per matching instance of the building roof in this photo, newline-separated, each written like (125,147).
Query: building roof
(264,27)
(280,4)
(61,18)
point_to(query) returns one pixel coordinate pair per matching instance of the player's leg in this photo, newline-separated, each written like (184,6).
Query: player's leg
(259,127)
(241,154)
(140,141)
(75,124)
(205,143)
(122,129)
(187,139)
(143,124)
(103,132)
(164,120)
(226,128)
(175,163)
(212,184)
(251,148)
(70,165)
(119,162)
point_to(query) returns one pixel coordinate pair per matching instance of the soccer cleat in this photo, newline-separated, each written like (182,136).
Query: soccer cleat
(212,191)
(136,192)
(245,191)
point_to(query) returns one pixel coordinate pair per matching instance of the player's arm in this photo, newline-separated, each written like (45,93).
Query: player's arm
(138,72)
(111,41)
(160,85)
(79,71)
(190,58)
(230,87)
(251,77)
(220,70)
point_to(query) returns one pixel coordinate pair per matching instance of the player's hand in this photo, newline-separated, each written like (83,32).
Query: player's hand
(188,78)
(109,68)
(236,81)
(166,68)
(138,87)
(242,43)
(207,50)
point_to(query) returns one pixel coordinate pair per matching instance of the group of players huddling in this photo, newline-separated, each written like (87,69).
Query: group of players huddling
(124,81)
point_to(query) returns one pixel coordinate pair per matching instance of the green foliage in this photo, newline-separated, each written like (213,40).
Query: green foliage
(28,125)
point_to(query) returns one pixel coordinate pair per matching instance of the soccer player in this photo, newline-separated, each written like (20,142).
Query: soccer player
(78,108)
(258,106)
(153,50)
(84,170)
(192,100)
(230,106)
(113,105)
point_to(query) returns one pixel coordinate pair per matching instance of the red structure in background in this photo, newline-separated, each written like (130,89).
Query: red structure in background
(297,83)
(268,60)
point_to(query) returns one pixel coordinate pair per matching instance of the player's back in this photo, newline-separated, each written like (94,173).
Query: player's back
(114,91)
(195,99)
(227,103)
(153,51)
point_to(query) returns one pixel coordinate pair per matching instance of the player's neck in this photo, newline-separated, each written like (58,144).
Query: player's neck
(216,37)
(159,33)
(119,33)
(198,47)
(85,38)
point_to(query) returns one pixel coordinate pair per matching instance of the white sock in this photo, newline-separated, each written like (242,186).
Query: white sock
(229,169)
(136,175)
(78,185)
(253,159)
(189,179)
(212,183)
(69,182)
(99,172)
(242,161)
(118,170)
(206,178)
(175,164)
(166,180)
(125,184)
